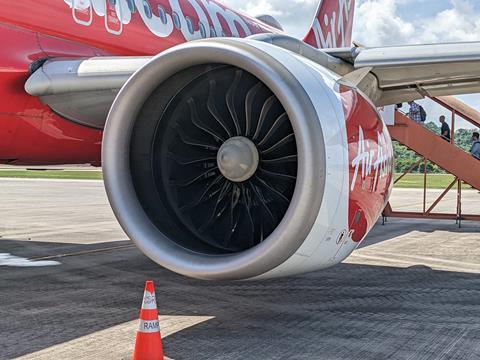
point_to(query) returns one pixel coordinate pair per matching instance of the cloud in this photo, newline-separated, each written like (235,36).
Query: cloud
(296,16)
(459,23)
(377,23)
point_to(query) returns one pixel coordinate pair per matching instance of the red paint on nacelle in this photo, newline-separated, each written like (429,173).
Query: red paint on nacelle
(371,162)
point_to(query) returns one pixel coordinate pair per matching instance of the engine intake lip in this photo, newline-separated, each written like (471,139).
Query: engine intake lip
(307,198)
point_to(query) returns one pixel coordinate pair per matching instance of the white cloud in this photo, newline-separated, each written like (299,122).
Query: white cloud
(459,23)
(377,23)
(296,16)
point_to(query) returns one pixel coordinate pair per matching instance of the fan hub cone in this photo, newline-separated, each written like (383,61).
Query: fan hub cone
(238,159)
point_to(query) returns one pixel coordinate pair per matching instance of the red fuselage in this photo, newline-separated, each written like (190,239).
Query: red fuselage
(31,30)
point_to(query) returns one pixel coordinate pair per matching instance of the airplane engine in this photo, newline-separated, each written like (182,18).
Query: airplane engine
(232,159)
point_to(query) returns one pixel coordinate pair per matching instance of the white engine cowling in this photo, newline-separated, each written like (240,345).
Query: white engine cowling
(237,159)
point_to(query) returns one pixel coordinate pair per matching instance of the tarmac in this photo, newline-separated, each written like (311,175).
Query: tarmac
(71,286)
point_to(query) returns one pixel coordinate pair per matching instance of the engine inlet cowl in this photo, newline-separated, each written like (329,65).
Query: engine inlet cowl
(214,159)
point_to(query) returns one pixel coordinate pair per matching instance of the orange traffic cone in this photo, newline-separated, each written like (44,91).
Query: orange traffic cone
(148,345)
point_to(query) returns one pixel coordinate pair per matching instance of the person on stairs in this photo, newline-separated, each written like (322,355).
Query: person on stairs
(445,129)
(475,150)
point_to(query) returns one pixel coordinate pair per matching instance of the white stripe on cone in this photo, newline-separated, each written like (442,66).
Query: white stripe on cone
(149,302)
(149,326)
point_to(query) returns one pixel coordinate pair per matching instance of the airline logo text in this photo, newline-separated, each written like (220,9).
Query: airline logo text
(330,31)
(373,158)
(158,20)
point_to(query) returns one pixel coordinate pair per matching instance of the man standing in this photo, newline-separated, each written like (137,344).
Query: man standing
(415,113)
(475,150)
(445,130)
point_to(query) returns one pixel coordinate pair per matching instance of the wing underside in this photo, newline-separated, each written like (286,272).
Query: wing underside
(83,90)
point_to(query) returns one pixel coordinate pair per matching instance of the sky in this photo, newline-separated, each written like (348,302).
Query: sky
(387,22)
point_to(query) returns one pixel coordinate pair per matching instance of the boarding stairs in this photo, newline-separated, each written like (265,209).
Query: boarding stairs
(431,147)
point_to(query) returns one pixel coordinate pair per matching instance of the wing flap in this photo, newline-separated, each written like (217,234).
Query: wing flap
(422,64)
(411,72)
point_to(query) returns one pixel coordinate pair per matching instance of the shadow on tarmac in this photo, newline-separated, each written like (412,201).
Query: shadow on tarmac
(346,312)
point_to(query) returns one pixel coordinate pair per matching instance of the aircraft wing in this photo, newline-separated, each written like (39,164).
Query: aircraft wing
(402,73)
(83,90)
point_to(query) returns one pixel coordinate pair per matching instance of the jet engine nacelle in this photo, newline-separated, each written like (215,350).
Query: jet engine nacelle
(237,159)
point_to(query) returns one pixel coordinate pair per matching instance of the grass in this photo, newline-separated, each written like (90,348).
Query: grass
(434,181)
(52,174)
(410,181)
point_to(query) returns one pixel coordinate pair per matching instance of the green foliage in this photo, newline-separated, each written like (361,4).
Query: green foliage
(52,174)
(463,138)
(433,127)
(405,158)
(434,181)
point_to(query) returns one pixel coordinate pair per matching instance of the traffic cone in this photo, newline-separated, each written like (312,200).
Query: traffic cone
(148,345)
